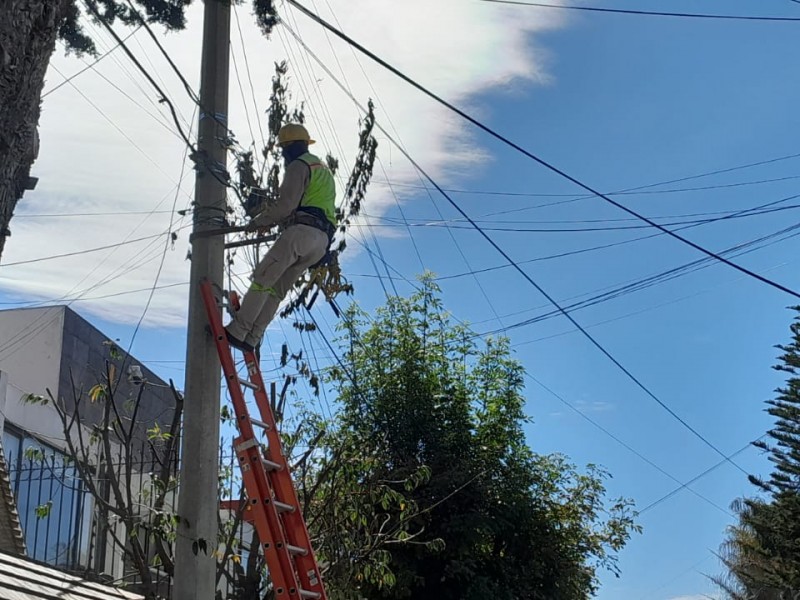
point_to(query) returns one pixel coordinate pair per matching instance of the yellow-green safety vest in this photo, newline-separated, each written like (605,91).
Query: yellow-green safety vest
(321,190)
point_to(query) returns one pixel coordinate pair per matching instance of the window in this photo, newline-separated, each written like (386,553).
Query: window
(55,510)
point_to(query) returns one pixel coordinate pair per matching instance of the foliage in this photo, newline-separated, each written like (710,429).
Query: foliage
(435,421)
(762,552)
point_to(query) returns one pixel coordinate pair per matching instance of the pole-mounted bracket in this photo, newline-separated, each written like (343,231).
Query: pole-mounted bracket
(226,230)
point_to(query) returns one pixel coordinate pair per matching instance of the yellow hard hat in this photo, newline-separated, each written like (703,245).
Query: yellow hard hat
(294,132)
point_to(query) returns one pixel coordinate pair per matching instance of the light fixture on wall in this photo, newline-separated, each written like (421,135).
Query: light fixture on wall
(135,375)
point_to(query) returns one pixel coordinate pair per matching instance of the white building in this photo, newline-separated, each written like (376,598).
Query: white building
(43,351)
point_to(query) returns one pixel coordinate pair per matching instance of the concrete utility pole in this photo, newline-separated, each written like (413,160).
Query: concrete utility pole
(198,505)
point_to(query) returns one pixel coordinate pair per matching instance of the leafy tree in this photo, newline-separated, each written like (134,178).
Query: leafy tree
(493,519)
(762,552)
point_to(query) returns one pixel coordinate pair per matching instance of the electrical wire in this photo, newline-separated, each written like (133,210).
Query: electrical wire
(163,255)
(90,65)
(117,127)
(87,251)
(387,182)
(324,118)
(573,198)
(249,75)
(636,312)
(619,441)
(90,214)
(164,98)
(532,156)
(695,479)
(645,12)
(519,269)
(486,225)
(668,275)
(98,34)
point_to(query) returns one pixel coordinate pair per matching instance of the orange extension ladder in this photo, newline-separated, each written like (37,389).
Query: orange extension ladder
(271,496)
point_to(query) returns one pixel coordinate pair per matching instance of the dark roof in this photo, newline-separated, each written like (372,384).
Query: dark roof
(11,539)
(23,579)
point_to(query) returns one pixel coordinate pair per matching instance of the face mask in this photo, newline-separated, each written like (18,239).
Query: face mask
(293,151)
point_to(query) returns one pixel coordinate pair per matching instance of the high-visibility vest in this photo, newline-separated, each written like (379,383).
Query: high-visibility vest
(321,191)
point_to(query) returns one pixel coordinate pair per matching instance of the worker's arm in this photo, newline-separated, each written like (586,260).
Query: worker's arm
(295,182)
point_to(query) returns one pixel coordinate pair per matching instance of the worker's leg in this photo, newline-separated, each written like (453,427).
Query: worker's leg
(283,285)
(299,244)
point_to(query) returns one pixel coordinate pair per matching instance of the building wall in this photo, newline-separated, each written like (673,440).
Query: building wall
(54,348)
(30,347)
(84,357)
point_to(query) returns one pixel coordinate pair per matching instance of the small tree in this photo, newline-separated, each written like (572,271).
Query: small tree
(133,498)
(762,552)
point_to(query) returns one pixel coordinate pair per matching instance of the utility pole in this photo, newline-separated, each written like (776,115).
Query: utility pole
(198,504)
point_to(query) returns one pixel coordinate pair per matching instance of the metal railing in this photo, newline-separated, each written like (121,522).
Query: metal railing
(64,526)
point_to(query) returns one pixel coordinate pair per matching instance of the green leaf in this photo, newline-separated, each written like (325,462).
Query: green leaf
(43,510)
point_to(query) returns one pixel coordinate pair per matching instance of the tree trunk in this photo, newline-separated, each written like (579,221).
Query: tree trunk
(28,33)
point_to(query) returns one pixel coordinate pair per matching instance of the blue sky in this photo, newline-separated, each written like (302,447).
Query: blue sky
(619,102)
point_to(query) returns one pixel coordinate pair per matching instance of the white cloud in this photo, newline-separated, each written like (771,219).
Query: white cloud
(696,597)
(458,49)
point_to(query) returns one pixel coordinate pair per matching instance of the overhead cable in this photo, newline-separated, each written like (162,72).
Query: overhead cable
(90,65)
(650,13)
(705,473)
(631,449)
(164,98)
(88,250)
(531,155)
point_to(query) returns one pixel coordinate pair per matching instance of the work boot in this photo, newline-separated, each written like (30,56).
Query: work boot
(237,343)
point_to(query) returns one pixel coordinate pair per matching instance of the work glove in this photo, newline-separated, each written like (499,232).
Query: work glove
(254,203)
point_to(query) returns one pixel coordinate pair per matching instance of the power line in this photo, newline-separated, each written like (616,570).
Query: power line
(595,248)
(573,198)
(115,126)
(652,280)
(163,254)
(621,442)
(636,312)
(87,251)
(705,473)
(91,214)
(90,65)
(532,156)
(645,12)
(249,75)
(487,225)
(519,269)
(328,122)
(722,214)
(162,94)
(387,182)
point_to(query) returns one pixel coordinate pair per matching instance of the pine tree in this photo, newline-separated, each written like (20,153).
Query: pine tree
(762,553)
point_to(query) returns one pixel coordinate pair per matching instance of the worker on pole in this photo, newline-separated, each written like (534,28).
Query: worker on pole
(305,207)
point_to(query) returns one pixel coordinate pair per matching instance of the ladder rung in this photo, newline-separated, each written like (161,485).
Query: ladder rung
(257,423)
(248,385)
(296,550)
(247,445)
(271,465)
(283,507)
(310,595)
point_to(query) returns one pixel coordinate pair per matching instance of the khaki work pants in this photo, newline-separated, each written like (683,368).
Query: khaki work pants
(297,248)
